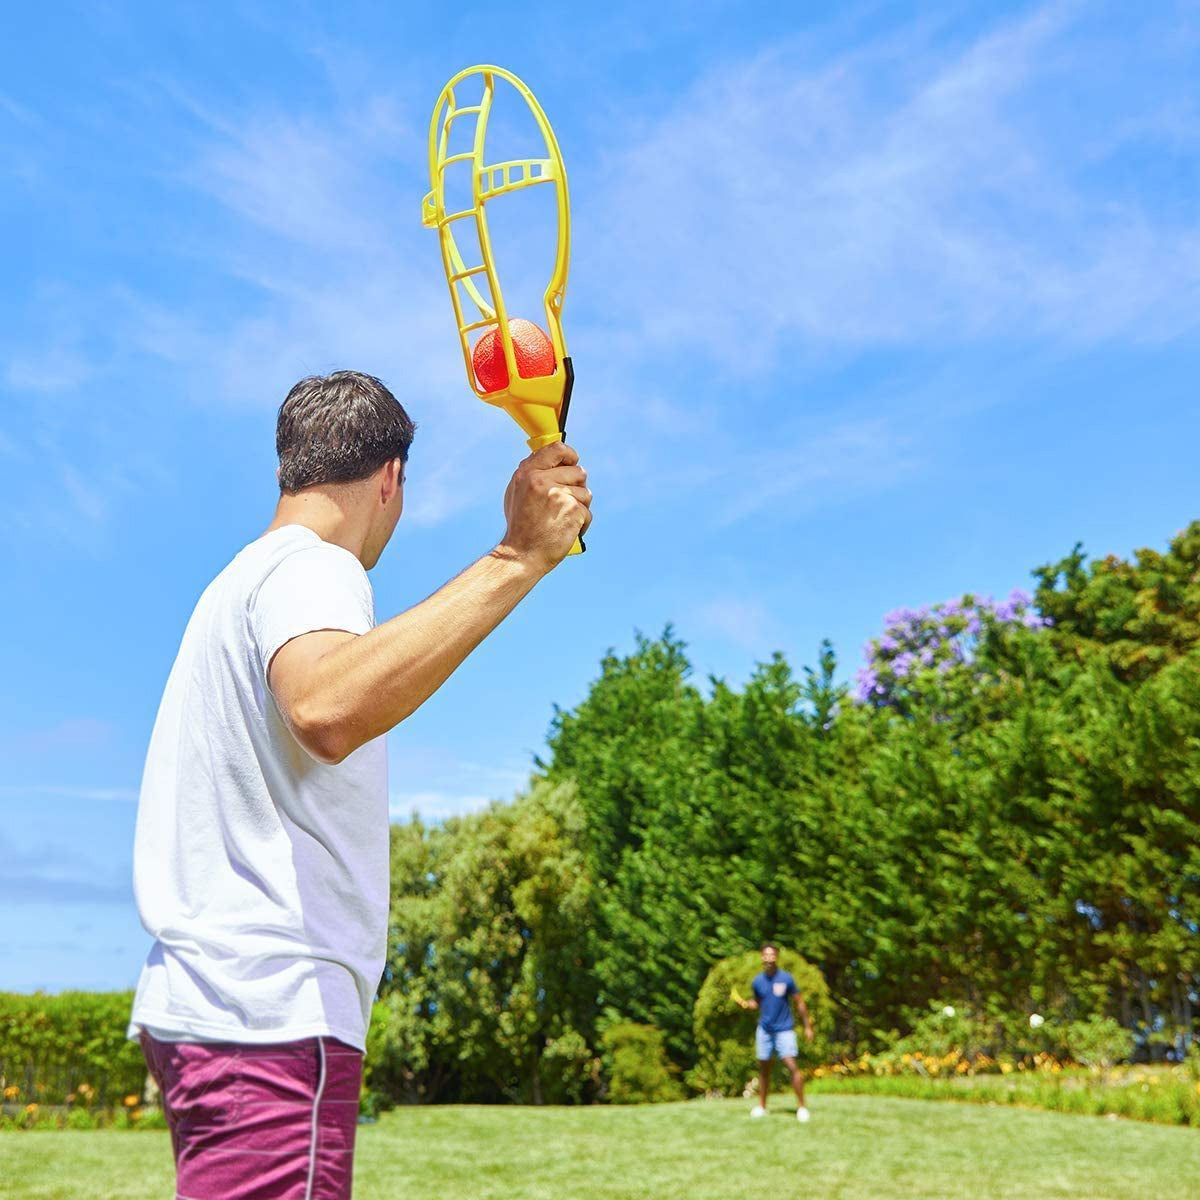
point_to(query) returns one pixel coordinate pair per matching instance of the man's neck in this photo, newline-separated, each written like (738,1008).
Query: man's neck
(327,514)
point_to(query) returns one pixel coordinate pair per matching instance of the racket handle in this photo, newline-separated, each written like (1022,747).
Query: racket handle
(578,548)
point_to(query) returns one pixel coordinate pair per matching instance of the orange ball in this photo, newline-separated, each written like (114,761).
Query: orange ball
(532,349)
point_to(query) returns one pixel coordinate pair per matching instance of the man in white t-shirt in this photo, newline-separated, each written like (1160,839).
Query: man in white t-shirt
(261,852)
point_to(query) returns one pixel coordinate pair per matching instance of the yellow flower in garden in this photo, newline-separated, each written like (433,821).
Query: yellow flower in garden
(130,1101)
(11,1093)
(30,1109)
(963,1067)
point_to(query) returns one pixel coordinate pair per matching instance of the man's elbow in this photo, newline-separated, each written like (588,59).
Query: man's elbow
(322,734)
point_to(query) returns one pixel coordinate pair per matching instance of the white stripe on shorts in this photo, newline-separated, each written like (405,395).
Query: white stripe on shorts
(312,1148)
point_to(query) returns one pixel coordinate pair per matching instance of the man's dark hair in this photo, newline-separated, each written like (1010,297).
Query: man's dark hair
(337,429)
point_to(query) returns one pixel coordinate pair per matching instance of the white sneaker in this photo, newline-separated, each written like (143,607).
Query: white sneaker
(802,1114)
(758,1111)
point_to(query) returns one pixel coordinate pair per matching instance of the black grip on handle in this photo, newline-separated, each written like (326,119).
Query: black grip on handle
(568,387)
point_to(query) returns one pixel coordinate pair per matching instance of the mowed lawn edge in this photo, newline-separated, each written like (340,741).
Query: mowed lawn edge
(855,1148)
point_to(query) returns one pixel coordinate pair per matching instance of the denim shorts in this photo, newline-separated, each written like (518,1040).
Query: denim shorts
(271,1122)
(782,1043)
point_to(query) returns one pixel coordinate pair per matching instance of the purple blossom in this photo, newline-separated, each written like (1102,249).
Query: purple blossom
(868,682)
(944,635)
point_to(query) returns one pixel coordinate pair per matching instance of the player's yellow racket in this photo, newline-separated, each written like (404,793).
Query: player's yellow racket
(737,998)
(539,405)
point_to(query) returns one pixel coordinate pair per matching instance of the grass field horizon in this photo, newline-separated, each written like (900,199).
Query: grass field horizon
(855,1148)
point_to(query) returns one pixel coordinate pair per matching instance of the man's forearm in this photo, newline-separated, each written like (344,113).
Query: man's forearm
(368,684)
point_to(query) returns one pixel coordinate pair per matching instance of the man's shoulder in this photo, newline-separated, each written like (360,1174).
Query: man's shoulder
(295,552)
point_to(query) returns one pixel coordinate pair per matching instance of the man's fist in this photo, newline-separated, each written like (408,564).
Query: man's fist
(547,505)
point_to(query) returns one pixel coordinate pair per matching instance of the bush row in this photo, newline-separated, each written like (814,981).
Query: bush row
(30,1117)
(69,1049)
(1159,1094)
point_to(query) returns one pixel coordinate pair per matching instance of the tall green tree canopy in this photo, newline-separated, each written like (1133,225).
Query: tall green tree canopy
(1003,814)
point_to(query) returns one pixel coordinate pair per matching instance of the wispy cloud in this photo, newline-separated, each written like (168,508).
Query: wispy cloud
(51,369)
(437,785)
(434,806)
(739,619)
(50,871)
(808,470)
(317,216)
(71,734)
(18,112)
(921,190)
(19,888)
(68,792)
(899,194)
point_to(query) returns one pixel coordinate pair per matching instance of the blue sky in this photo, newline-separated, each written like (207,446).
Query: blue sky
(869,306)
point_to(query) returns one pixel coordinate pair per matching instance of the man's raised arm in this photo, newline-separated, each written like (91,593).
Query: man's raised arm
(338,690)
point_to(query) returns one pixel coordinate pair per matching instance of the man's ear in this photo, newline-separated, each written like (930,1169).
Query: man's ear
(392,479)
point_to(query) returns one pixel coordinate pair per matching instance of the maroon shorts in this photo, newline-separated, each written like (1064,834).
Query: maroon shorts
(272,1122)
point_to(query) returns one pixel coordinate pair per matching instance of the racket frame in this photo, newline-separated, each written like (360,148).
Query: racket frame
(539,405)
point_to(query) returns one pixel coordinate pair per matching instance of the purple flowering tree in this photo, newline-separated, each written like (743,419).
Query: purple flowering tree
(929,648)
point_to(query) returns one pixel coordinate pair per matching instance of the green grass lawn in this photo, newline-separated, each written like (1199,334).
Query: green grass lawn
(855,1148)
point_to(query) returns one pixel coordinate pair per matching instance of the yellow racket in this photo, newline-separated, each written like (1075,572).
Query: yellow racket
(539,405)
(738,999)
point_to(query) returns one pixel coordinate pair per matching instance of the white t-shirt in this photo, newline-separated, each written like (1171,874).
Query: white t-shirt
(261,873)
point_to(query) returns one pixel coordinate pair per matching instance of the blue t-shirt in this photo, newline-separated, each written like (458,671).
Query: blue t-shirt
(774,994)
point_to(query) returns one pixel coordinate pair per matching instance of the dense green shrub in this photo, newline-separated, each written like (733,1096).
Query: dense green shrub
(1164,1096)
(636,1065)
(1099,1042)
(57,1049)
(951,1029)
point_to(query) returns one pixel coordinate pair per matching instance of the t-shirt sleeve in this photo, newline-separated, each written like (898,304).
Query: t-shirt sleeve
(318,587)
(792,988)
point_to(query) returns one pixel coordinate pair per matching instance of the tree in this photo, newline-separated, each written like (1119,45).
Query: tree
(487,995)
(1143,615)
